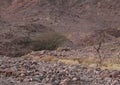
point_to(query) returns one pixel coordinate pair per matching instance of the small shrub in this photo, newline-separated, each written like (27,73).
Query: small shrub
(47,41)
(100,39)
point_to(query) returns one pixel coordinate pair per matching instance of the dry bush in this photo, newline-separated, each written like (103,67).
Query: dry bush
(100,39)
(47,41)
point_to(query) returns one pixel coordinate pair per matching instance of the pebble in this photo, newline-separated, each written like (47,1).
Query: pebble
(74,79)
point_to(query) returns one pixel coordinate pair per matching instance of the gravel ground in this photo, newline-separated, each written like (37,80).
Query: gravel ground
(18,71)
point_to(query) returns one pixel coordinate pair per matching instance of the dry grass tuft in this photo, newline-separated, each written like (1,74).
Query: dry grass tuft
(49,59)
(69,61)
(112,63)
(109,63)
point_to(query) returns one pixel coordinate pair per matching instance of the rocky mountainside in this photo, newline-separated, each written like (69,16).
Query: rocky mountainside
(73,17)
(76,19)
(5,3)
(30,36)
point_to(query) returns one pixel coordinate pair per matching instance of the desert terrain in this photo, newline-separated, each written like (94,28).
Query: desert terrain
(59,42)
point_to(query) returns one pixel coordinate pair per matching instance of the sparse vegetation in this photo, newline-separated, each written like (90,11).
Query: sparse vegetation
(47,41)
(109,63)
(100,38)
(33,50)
(49,59)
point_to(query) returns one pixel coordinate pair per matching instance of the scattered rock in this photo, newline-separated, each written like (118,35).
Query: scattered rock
(48,73)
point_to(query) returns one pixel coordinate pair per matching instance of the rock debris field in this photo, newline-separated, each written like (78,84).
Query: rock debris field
(20,71)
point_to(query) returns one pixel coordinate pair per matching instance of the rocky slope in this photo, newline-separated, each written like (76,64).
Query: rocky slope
(80,21)
(74,18)
(4,4)
(28,72)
